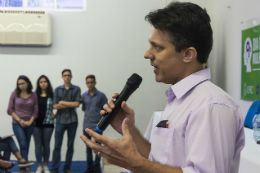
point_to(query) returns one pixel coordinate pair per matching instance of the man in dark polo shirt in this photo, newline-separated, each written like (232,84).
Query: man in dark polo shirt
(92,103)
(66,99)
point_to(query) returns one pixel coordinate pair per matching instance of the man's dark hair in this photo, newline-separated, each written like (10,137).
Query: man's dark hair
(63,71)
(187,24)
(91,76)
(27,80)
(49,89)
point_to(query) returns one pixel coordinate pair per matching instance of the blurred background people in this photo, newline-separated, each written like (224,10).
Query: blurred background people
(44,123)
(23,107)
(92,102)
(66,99)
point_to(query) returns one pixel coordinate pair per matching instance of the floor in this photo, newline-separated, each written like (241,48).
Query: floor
(78,167)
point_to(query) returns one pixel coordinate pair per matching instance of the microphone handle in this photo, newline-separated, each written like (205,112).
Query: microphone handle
(108,117)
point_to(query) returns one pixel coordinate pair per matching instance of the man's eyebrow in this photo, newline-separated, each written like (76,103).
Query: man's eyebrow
(152,42)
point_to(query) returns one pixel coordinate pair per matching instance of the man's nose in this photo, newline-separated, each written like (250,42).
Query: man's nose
(148,54)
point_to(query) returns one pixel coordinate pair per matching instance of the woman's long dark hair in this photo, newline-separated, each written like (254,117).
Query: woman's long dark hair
(27,80)
(49,88)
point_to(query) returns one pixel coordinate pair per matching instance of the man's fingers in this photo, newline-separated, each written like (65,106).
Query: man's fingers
(93,139)
(125,128)
(126,108)
(98,137)
(91,144)
(115,95)
(107,108)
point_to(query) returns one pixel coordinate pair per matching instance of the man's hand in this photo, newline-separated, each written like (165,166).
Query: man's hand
(121,152)
(125,112)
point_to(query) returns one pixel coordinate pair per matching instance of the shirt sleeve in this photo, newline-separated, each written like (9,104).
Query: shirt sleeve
(55,97)
(35,106)
(78,95)
(210,139)
(11,106)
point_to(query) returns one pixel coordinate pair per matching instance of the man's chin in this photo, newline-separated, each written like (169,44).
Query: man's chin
(157,79)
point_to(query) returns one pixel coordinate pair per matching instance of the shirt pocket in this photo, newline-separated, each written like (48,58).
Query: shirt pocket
(162,141)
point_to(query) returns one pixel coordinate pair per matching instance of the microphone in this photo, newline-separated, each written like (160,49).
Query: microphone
(131,85)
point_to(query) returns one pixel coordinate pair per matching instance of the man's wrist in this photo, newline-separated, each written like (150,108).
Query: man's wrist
(133,130)
(138,163)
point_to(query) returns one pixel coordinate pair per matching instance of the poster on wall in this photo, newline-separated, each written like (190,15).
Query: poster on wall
(250,66)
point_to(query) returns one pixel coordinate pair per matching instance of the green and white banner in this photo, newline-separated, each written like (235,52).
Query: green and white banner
(250,66)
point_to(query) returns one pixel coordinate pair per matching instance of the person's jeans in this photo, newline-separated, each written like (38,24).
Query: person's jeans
(59,132)
(90,155)
(23,136)
(8,145)
(42,138)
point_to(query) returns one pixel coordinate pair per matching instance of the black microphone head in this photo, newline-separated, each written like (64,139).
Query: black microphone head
(134,80)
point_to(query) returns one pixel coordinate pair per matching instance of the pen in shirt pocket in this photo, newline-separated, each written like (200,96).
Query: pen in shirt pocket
(163,124)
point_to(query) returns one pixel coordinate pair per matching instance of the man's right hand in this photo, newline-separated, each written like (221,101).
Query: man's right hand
(125,112)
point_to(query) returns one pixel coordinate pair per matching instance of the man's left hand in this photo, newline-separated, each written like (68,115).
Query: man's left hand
(122,152)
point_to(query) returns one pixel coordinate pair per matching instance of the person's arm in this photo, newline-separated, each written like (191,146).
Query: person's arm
(76,101)
(35,106)
(28,123)
(59,106)
(83,103)
(18,119)
(68,104)
(56,104)
(11,110)
(124,153)
(143,146)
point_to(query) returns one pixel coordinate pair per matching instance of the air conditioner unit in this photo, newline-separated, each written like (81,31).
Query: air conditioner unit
(25,28)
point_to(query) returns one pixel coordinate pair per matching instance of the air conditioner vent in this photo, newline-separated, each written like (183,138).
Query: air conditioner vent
(14,12)
(35,12)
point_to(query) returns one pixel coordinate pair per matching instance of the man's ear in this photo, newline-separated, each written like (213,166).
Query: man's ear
(190,55)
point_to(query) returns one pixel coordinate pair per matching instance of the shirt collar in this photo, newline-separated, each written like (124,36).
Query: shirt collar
(182,87)
(71,86)
(95,93)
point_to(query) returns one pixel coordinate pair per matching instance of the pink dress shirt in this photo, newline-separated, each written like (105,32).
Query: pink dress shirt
(205,130)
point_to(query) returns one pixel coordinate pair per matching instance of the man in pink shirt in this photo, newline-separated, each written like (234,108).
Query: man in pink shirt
(202,127)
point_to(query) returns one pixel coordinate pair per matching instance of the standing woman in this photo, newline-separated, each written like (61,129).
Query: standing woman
(23,107)
(44,123)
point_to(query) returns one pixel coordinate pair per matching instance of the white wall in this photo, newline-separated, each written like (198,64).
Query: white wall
(108,40)
(227,58)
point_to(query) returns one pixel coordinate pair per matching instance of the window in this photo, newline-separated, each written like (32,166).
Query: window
(58,5)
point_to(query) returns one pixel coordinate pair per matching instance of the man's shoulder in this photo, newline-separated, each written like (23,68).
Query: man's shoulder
(85,93)
(75,87)
(100,92)
(214,94)
(59,87)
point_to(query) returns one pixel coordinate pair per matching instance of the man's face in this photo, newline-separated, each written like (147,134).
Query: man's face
(90,82)
(167,63)
(66,76)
